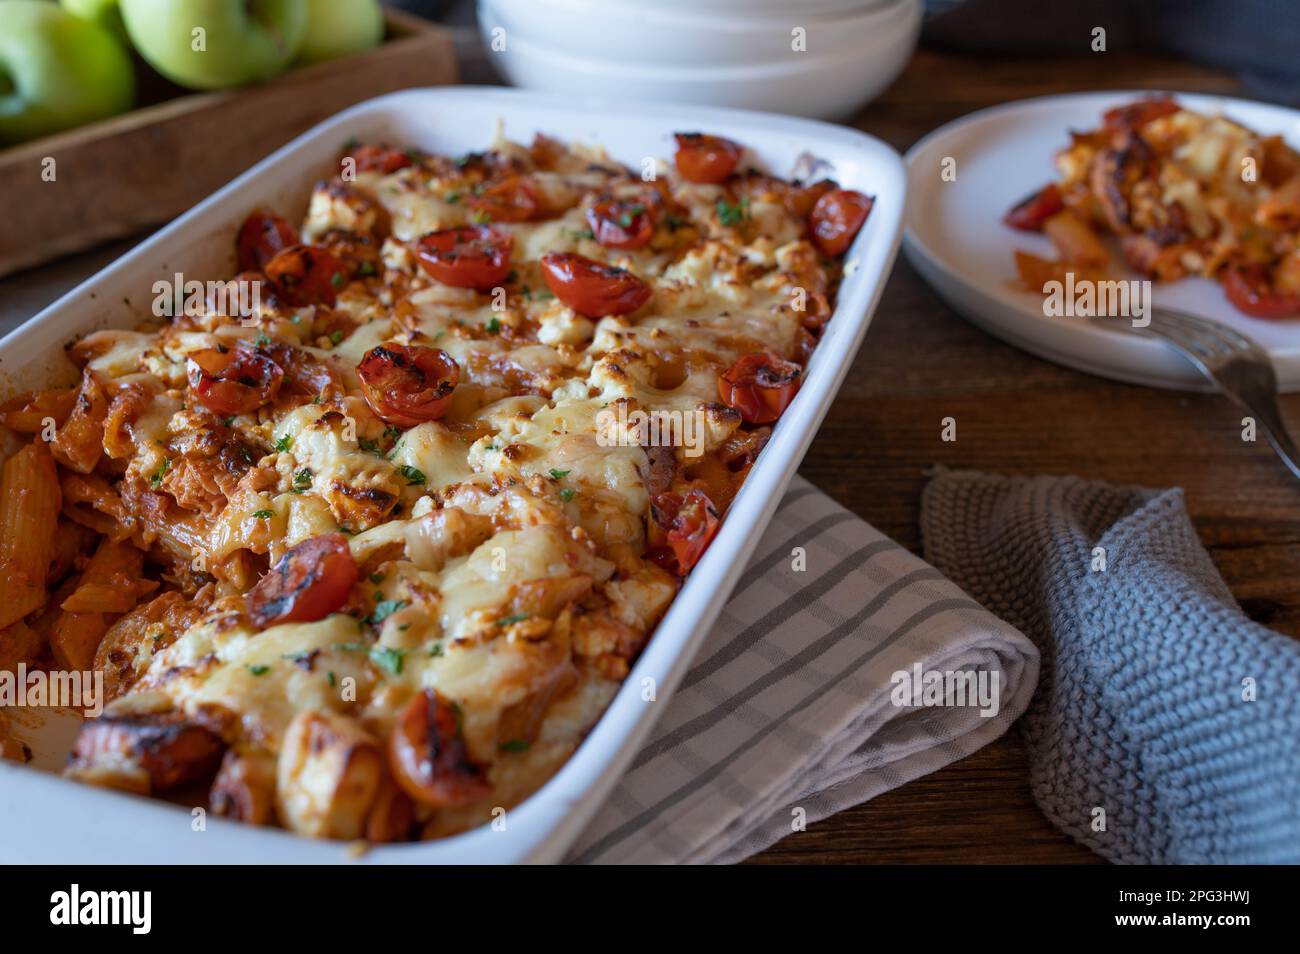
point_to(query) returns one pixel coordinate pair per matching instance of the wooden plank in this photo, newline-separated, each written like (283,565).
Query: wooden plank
(118,176)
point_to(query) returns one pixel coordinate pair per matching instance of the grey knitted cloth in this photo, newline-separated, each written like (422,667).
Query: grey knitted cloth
(1166,725)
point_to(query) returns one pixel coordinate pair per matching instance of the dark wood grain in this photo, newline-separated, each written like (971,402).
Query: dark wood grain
(1017,414)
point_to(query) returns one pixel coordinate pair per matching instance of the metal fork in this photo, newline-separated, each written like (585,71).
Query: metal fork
(1239,367)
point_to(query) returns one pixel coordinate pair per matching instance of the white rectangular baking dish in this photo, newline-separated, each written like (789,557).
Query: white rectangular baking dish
(44,818)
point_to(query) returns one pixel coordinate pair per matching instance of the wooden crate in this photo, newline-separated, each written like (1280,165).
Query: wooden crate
(121,175)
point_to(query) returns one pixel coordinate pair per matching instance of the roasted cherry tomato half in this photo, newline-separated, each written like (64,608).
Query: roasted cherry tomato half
(1033,210)
(704,158)
(512,199)
(1250,293)
(836,218)
(621,223)
(477,256)
(308,583)
(687,524)
(380,159)
(1138,113)
(262,236)
(760,387)
(307,275)
(591,288)
(233,380)
(407,385)
(428,756)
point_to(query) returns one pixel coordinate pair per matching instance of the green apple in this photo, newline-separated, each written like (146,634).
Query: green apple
(104,12)
(340,27)
(57,71)
(216,44)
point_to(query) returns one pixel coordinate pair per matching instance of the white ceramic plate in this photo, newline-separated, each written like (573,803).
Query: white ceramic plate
(44,818)
(956,240)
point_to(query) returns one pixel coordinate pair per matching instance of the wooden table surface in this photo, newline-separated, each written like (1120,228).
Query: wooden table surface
(1015,414)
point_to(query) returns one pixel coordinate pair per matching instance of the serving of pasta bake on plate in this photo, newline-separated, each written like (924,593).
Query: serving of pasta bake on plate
(1186,193)
(366,538)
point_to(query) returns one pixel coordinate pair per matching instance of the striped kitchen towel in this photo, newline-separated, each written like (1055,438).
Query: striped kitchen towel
(836,672)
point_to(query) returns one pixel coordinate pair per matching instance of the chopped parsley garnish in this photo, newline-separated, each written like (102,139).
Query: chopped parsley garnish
(732,215)
(451,197)
(227,422)
(369,446)
(301,480)
(376,578)
(351,647)
(436,651)
(336,336)
(392,432)
(412,475)
(367,268)
(512,276)
(627,218)
(262,341)
(245,453)
(559,474)
(494,326)
(330,676)
(259,670)
(156,477)
(480,218)
(262,514)
(283,443)
(567,494)
(383,610)
(515,745)
(337,280)
(385,658)
(512,619)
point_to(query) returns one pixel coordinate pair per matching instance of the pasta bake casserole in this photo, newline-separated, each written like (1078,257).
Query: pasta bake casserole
(366,555)
(1186,194)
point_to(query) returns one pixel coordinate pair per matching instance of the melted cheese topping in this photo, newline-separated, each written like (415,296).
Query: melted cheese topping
(503,548)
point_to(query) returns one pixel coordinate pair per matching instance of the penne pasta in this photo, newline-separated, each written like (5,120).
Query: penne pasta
(19,643)
(29,514)
(30,413)
(79,443)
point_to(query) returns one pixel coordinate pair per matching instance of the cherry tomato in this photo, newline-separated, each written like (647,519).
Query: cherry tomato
(1138,113)
(262,235)
(476,256)
(408,384)
(428,756)
(233,380)
(591,288)
(512,199)
(1033,210)
(760,387)
(380,159)
(311,580)
(687,525)
(621,223)
(836,218)
(1250,293)
(307,275)
(704,158)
